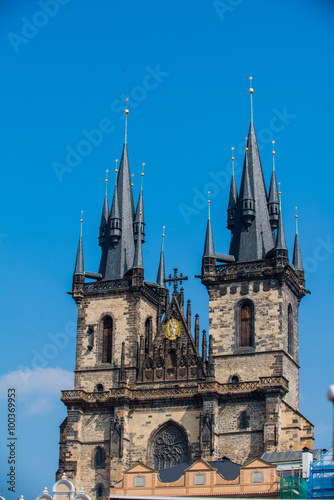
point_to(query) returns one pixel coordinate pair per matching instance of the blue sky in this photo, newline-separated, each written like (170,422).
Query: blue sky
(67,67)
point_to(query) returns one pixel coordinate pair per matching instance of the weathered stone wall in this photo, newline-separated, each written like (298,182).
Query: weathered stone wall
(129,316)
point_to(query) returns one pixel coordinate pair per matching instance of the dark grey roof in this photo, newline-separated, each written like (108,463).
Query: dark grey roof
(277,457)
(114,212)
(79,263)
(257,241)
(140,207)
(138,258)
(233,199)
(105,212)
(161,270)
(118,259)
(209,249)
(273,191)
(246,192)
(227,469)
(280,243)
(297,256)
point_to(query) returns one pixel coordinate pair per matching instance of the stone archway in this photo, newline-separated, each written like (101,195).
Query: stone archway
(170,447)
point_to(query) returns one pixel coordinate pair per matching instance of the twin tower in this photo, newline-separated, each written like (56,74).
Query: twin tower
(148,386)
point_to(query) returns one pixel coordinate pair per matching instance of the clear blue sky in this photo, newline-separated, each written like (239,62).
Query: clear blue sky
(185,68)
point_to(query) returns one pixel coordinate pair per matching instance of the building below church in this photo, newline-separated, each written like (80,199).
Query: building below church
(256,479)
(148,386)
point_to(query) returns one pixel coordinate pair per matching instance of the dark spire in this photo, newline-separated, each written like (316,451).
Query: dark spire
(204,348)
(115,220)
(233,199)
(209,250)
(138,259)
(79,263)
(246,198)
(297,256)
(140,208)
(255,243)
(197,333)
(161,270)
(280,243)
(273,201)
(189,314)
(114,257)
(104,217)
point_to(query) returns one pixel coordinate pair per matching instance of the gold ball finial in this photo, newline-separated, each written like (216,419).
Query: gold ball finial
(296,213)
(132,180)
(232,153)
(106,176)
(126,111)
(279,187)
(273,147)
(81,220)
(251,90)
(163,231)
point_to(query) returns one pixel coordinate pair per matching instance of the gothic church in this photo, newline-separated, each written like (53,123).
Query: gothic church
(148,387)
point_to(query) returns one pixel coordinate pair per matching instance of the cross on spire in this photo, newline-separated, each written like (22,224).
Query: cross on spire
(175,279)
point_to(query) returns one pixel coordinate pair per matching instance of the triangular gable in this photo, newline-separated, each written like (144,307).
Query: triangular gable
(200,465)
(257,462)
(139,467)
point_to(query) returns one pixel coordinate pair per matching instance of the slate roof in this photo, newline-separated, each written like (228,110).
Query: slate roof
(288,456)
(227,469)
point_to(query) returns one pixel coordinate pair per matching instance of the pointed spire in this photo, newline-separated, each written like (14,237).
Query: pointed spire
(138,258)
(140,208)
(115,220)
(233,199)
(297,256)
(204,347)
(197,333)
(251,90)
(79,263)
(105,216)
(280,243)
(118,257)
(209,250)
(246,196)
(189,314)
(257,241)
(273,201)
(126,112)
(161,270)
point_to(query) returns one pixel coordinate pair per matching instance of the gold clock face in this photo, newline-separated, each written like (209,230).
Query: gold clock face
(172,329)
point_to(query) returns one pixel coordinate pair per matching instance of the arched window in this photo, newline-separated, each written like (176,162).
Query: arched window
(107,340)
(243,420)
(246,325)
(99,490)
(170,448)
(98,459)
(290,331)
(148,334)
(99,388)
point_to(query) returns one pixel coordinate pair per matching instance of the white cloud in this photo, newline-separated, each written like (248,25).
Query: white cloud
(37,388)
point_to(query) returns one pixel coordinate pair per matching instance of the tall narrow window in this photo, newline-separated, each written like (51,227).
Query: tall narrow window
(290,330)
(107,340)
(148,334)
(246,326)
(98,459)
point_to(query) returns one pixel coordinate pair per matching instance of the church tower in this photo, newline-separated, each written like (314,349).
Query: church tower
(148,386)
(254,295)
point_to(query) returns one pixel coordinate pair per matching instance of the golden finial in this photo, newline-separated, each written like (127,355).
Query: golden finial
(143,165)
(246,139)
(232,153)
(163,231)
(106,175)
(273,147)
(279,188)
(126,111)
(116,170)
(81,219)
(132,180)
(296,213)
(251,90)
